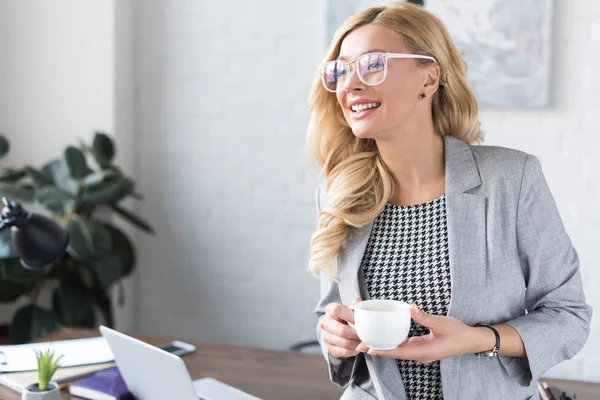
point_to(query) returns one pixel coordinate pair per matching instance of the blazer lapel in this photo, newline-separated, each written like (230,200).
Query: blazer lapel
(383,370)
(466,227)
(466,221)
(350,281)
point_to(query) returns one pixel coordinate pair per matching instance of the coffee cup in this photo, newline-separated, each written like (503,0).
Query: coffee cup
(382,324)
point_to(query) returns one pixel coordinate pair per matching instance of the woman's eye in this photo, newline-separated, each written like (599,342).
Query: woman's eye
(376,65)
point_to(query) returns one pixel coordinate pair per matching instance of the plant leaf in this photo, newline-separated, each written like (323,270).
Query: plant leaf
(78,168)
(71,300)
(32,322)
(134,219)
(17,192)
(55,199)
(137,196)
(103,149)
(61,177)
(108,191)
(100,176)
(4,146)
(107,269)
(118,263)
(13,175)
(120,293)
(89,240)
(13,271)
(124,249)
(40,178)
(102,298)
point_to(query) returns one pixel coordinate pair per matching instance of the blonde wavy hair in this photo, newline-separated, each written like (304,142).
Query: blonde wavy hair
(358,183)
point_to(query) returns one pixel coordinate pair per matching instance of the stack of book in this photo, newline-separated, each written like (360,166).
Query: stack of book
(107,384)
(20,380)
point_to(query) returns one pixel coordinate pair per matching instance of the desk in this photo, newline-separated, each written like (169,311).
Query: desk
(268,374)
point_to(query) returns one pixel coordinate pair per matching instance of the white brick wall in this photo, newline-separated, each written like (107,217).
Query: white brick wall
(221,94)
(222,117)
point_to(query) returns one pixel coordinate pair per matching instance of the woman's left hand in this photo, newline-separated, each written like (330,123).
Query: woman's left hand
(448,337)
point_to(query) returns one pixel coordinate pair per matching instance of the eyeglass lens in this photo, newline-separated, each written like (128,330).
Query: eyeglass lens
(371,71)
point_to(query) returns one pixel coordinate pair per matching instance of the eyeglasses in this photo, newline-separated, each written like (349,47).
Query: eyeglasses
(372,69)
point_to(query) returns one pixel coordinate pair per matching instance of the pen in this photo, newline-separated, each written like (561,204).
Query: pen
(542,392)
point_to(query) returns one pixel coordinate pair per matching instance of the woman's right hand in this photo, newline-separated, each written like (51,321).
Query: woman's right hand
(340,339)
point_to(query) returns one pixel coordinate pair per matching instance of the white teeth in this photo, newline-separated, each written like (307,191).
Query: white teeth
(364,106)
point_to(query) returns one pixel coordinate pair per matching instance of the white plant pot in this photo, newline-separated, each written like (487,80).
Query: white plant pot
(32,392)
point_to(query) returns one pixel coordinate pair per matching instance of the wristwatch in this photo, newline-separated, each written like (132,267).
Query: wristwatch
(494,352)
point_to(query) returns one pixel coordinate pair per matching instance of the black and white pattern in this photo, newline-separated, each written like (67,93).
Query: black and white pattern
(407,259)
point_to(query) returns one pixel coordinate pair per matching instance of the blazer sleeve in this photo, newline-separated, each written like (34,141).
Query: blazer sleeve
(556,324)
(341,370)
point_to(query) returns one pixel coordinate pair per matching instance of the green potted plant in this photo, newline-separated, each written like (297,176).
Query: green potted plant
(73,189)
(45,389)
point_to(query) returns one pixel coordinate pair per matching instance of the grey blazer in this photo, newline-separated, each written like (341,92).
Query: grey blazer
(511,262)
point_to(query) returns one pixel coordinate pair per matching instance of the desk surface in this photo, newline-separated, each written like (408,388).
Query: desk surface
(268,374)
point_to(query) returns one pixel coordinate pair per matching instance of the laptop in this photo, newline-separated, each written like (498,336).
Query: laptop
(153,374)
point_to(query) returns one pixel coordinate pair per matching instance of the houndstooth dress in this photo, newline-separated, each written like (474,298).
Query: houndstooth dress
(407,259)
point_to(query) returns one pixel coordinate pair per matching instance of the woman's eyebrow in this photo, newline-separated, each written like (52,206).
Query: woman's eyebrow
(343,58)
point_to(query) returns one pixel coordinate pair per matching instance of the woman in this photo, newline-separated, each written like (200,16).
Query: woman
(411,210)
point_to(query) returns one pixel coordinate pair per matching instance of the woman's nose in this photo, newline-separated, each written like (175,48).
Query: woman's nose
(353,82)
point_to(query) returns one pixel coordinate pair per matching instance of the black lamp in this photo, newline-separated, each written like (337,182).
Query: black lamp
(38,240)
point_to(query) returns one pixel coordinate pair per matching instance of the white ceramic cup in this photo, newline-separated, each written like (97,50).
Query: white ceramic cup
(382,324)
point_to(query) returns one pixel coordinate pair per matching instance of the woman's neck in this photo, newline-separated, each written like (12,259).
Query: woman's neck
(417,165)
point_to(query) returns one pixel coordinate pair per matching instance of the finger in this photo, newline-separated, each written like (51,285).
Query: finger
(356,300)
(363,348)
(417,340)
(408,351)
(343,330)
(332,325)
(339,352)
(422,318)
(340,312)
(334,340)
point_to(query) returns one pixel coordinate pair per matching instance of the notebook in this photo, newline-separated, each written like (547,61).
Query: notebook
(75,352)
(20,380)
(107,384)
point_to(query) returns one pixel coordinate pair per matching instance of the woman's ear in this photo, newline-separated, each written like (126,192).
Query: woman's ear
(432,80)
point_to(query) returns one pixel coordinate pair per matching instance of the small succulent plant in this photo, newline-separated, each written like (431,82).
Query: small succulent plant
(47,362)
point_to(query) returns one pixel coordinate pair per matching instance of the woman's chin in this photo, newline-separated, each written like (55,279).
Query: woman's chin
(362,133)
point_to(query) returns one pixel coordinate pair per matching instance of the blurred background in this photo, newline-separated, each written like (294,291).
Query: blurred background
(207,105)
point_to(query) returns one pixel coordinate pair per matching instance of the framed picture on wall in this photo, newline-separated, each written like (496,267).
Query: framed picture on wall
(506,43)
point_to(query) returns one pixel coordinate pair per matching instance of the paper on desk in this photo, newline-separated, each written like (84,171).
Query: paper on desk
(21,357)
(20,380)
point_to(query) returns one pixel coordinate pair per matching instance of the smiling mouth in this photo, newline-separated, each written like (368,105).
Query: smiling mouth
(364,107)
